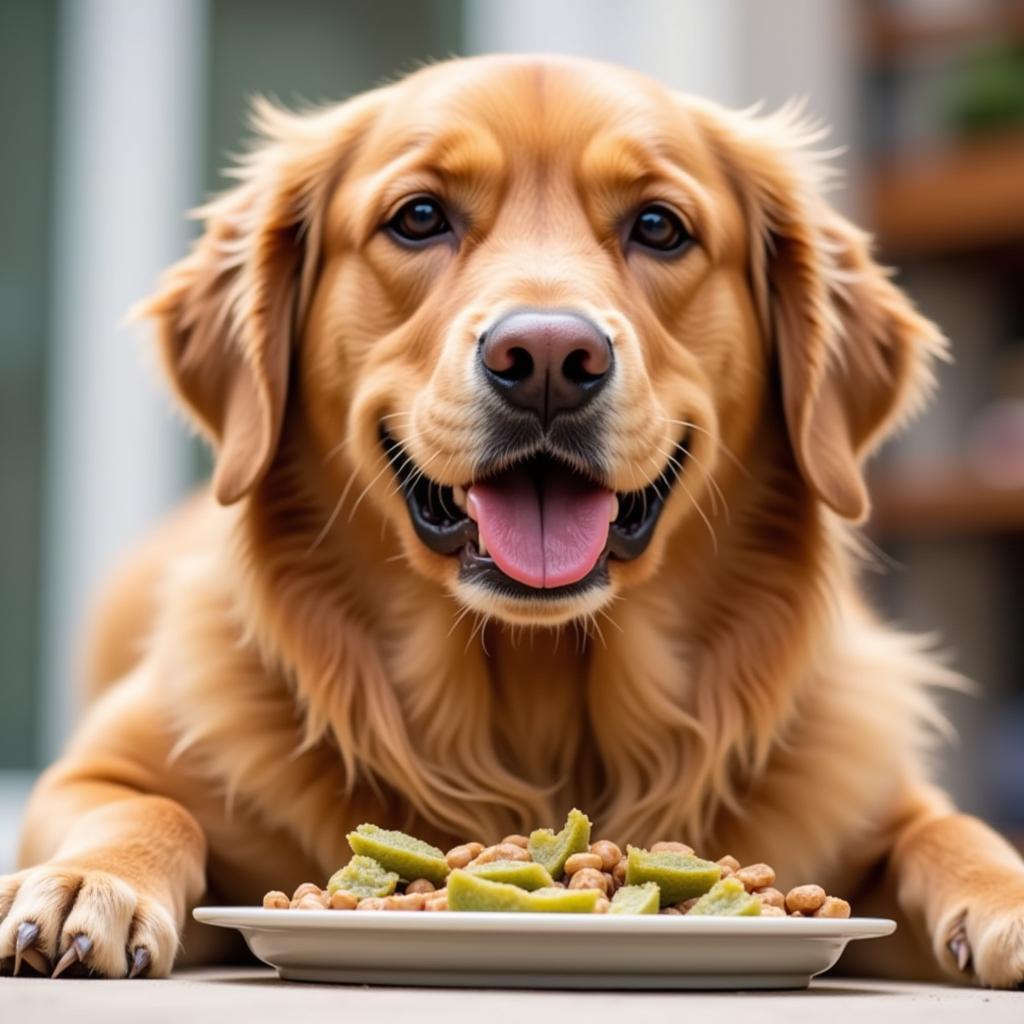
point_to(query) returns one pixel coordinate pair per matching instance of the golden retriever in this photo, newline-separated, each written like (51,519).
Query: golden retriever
(540,396)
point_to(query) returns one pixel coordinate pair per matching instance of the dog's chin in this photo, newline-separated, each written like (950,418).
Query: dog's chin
(537,539)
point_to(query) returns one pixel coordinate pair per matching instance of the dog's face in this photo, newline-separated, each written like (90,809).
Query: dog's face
(525,306)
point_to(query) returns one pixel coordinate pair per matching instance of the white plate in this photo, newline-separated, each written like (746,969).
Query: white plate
(543,950)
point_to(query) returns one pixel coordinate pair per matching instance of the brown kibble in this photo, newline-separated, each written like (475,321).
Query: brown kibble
(373,903)
(756,876)
(609,853)
(610,884)
(420,885)
(517,840)
(306,889)
(460,856)
(579,861)
(602,905)
(687,905)
(771,897)
(730,865)
(805,898)
(588,878)
(435,902)
(342,899)
(767,910)
(833,907)
(503,851)
(619,872)
(310,902)
(409,901)
(275,900)
(671,911)
(668,847)
(558,884)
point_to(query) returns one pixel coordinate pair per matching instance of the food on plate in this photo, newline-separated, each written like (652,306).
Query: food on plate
(636,899)
(727,898)
(680,876)
(552,872)
(363,877)
(405,855)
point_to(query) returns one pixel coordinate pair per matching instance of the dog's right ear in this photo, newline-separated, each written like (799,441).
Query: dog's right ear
(228,313)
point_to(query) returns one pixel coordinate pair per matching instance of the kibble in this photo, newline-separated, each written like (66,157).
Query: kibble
(420,885)
(756,876)
(342,900)
(516,840)
(306,889)
(503,851)
(667,847)
(588,878)
(460,856)
(833,907)
(579,861)
(729,864)
(771,897)
(805,898)
(275,900)
(609,853)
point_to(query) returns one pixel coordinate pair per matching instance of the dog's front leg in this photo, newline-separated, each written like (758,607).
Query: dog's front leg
(964,884)
(113,862)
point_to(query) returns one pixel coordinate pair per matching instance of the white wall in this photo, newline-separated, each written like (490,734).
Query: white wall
(130,83)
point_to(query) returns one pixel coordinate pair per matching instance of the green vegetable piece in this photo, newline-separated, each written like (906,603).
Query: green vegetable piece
(363,877)
(727,898)
(636,899)
(470,892)
(563,901)
(553,850)
(524,874)
(407,856)
(680,876)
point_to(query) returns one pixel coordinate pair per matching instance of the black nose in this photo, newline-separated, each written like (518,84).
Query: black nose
(546,362)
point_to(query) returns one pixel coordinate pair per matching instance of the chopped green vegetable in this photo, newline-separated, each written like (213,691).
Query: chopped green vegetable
(553,849)
(563,901)
(680,876)
(727,898)
(363,877)
(470,892)
(467,891)
(524,874)
(407,856)
(636,899)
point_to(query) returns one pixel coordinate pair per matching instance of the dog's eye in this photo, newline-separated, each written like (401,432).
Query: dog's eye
(657,227)
(419,219)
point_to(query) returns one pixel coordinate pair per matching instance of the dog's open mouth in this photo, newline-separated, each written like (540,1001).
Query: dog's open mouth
(536,528)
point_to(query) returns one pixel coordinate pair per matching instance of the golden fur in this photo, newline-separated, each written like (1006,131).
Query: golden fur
(277,667)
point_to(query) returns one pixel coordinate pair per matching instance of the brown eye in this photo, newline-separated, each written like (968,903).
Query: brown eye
(659,228)
(419,219)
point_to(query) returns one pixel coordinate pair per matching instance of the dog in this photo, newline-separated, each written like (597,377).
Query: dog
(540,397)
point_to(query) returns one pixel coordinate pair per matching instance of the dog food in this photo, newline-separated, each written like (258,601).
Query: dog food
(552,872)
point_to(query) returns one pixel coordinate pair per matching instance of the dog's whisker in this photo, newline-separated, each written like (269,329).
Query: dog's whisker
(702,514)
(718,441)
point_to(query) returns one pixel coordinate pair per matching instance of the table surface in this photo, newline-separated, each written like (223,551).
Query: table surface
(256,995)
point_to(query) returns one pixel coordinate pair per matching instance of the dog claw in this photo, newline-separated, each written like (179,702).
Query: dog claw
(24,944)
(960,948)
(140,962)
(80,948)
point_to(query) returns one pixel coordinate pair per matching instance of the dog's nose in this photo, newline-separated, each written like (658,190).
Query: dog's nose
(547,362)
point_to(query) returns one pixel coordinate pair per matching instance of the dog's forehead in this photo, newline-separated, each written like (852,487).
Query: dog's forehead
(537,108)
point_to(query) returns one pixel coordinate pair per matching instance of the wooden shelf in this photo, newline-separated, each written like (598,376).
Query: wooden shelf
(890,36)
(943,501)
(967,197)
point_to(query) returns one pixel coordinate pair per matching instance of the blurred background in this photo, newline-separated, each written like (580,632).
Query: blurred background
(119,115)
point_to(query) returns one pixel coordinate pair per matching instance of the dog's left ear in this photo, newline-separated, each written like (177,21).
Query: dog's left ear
(228,314)
(854,357)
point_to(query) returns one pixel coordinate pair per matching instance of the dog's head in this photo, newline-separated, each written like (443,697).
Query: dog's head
(524,306)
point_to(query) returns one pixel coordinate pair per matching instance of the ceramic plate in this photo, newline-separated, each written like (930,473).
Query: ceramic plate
(543,950)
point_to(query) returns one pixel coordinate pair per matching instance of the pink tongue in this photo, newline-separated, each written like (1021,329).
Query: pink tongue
(546,536)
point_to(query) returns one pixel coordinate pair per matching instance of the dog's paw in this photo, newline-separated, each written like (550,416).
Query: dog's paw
(983,940)
(56,918)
